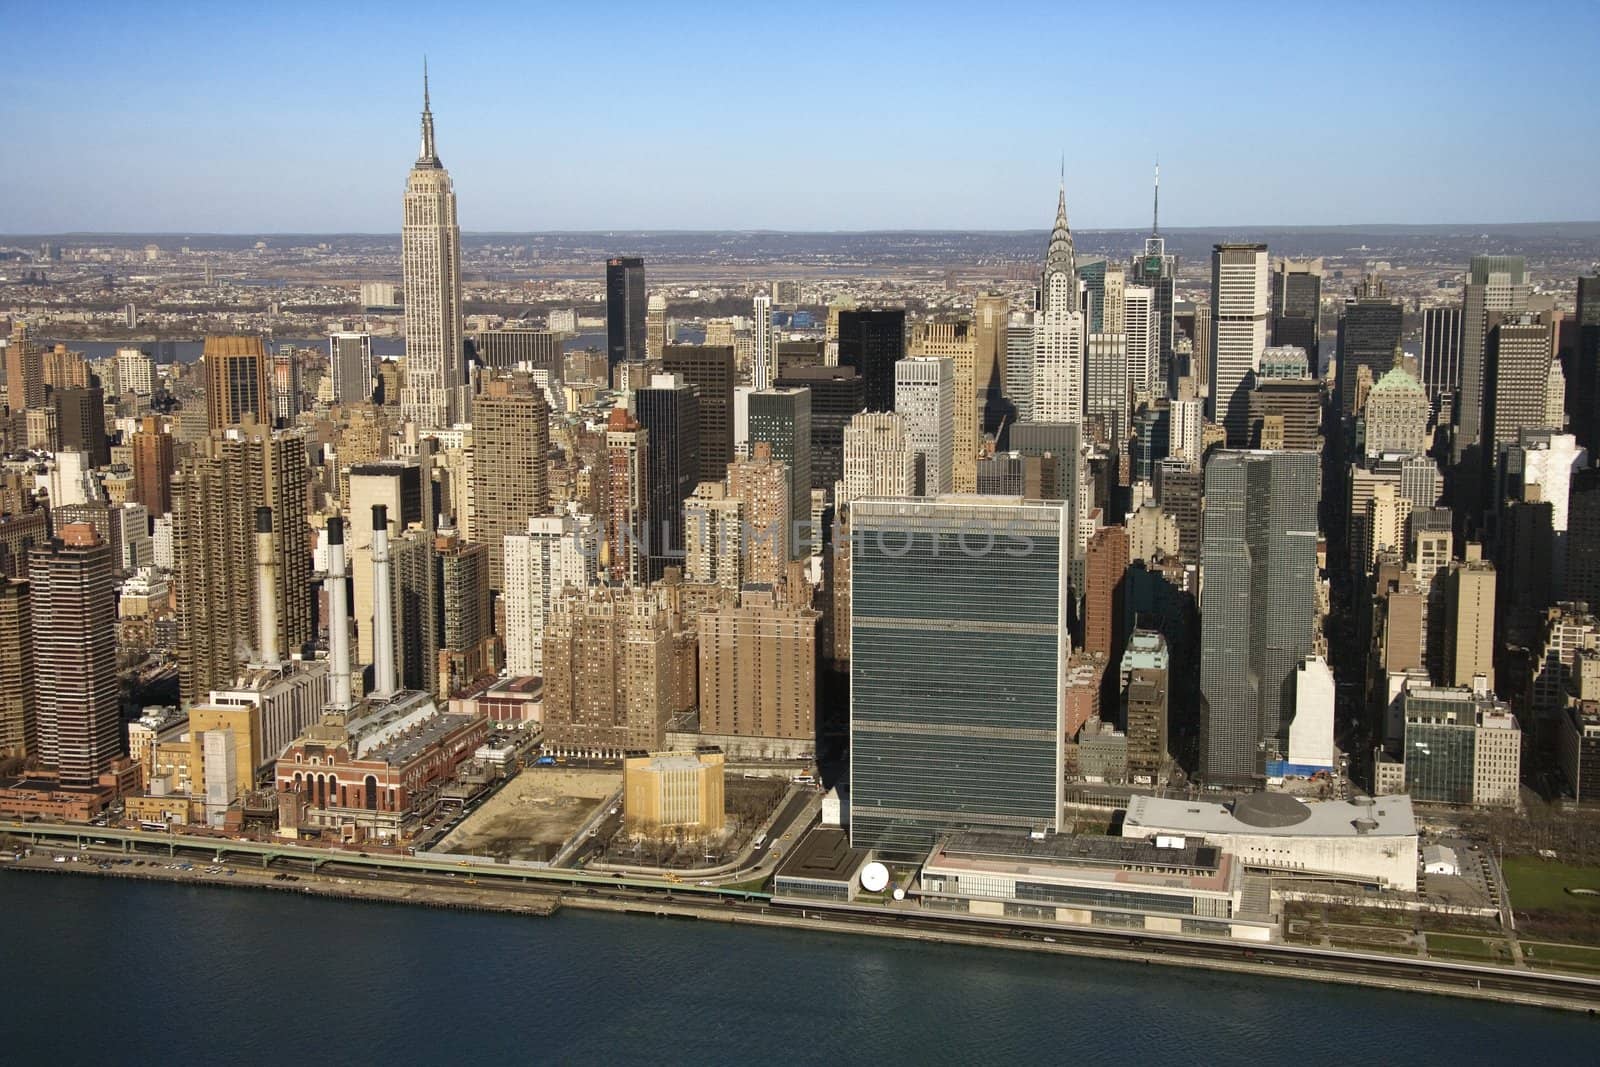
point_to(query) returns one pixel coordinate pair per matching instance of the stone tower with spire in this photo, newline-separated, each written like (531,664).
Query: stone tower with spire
(1058,338)
(432,396)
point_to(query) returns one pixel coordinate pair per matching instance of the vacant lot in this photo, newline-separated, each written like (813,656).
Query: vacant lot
(532,817)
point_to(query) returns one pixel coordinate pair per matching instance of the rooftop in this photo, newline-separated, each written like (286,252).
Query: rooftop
(1273,814)
(825,855)
(1180,854)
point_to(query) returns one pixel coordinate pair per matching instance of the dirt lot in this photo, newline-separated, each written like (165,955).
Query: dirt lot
(532,817)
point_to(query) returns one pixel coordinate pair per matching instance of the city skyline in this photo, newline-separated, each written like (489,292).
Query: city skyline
(565,153)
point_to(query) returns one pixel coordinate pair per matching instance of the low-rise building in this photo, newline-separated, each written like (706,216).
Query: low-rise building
(1167,884)
(673,791)
(1367,841)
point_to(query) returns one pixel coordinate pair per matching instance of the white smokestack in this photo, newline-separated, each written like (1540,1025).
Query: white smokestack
(338,619)
(383,671)
(266,588)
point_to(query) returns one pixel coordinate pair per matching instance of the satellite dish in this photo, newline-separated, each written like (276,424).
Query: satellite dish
(899,894)
(874,877)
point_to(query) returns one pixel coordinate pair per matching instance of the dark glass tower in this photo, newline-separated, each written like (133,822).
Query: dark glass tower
(1258,606)
(625,308)
(671,414)
(1369,334)
(782,418)
(710,369)
(1297,307)
(837,394)
(872,342)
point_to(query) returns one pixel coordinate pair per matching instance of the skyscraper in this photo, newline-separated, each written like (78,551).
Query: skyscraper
(1238,333)
(628,461)
(879,459)
(873,341)
(764,365)
(837,395)
(924,396)
(238,381)
(669,411)
(1258,605)
(24,371)
(1441,350)
(782,418)
(710,369)
(1297,307)
(75,655)
(430,250)
(557,551)
(350,362)
(954,338)
(1140,323)
(18,720)
(1494,283)
(607,670)
(1369,336)
(1058,331)
(510,465)
(214,497)
(1516,373)
(958,633)
(626,337)
(762,485)
(990,315)
(758,669)
(655,326)
(1157,271)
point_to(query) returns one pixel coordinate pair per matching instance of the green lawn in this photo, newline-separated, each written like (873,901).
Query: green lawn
(1541,885)
(1475,948)
(1566,955)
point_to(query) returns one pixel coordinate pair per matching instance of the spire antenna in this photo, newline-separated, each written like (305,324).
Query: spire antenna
(428,153)
(1155,215)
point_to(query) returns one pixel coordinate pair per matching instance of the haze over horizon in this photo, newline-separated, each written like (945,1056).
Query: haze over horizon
(728,119)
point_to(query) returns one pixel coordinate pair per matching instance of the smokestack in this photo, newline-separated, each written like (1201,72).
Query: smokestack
(266,588)
(338,619)
(383,671)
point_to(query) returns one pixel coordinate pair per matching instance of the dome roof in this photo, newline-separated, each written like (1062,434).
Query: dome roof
(1270,810)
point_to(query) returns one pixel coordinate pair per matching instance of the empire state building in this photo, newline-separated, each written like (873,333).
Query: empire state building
(430,243)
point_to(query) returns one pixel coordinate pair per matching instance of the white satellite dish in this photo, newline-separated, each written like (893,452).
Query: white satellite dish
(899,894)
(874,877)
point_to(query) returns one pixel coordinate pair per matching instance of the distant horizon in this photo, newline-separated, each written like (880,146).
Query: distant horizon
(1406,227)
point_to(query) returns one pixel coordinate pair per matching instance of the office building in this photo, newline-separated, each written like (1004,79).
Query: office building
(1156,269)
(872,341)
(879,459)
(1106,564)
(520,349)
(954,339)
(350,365)
(1145,672)
(764,354)
(81,421)
(238,381)
(1516,374)
(1395,416)
(1495,284)
(924,396)
(466,632)
(655,326)
(713,533)
(1143,332)
(1297,307)
(1469,620)
(958,664)
(990,315)
(838,394)
(1019,365)
(1060,332)
(1369,336)
(1462,746)
(1441,351)
(18,718)
(510,464)
(78,715)
(1239,295)
(669,412)
(782,419)
(626,340)
(680,792)
(710,369)
(758,668)
(1285,414)
(1258,605)
(607,672)
(430,264)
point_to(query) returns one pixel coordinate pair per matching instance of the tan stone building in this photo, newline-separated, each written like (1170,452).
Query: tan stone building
(762,483)
(713,533)
(758,669)
(608,656)
(510,457)
(956,340)
(673,791)
(238,381)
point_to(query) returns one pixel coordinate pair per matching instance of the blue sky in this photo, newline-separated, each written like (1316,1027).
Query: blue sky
(219,117)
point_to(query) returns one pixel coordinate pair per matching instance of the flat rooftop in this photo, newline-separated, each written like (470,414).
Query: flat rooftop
(1272,814)
(823,855)
(1095,850)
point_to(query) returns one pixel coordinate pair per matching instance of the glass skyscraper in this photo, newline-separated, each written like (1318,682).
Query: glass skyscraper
(1258,605)
(959,646)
